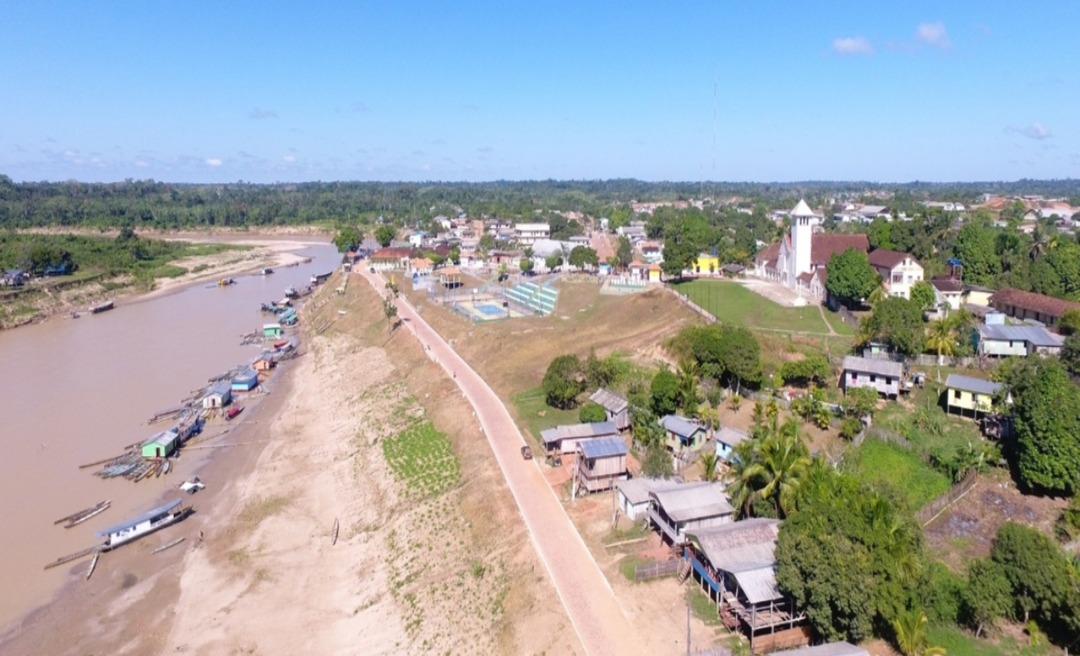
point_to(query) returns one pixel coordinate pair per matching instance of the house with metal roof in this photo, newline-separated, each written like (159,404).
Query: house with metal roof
(1004,341)
(689,506)
(727,438)
(967,394)
(682,434)
(245,381)
(883,376)
(736,565)
(633,494)
(565,438)
(615,406)
(218,396)
(827,649)
(600,463)
(160,445)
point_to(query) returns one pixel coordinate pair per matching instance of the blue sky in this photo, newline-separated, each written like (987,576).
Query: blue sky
(758,91)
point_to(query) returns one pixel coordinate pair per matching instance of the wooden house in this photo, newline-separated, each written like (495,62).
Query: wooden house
(245,381)
(689,506)
(1022,341)
(600,463)
(884,376)
(736,565)
(826,649)
(161,445)
(616,407)
(727,438)
(969,395)
(218,396)
(272,330)
(189,424)
(682,433)
(264,362)
(633,494)
(565,438)
(1023,305)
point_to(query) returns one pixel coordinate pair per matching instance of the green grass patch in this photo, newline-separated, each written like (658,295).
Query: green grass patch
(628,567)
(538,415)
(735,304)
(958,642)
(200,268)
(898,471)
(260,509)
(703,608)
(168,271)
(423,459)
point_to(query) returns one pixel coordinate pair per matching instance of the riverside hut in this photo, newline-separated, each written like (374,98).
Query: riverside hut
(245,381)
(218,396)
(161,445)
(273,330)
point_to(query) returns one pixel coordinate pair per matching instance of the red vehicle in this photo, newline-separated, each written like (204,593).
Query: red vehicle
(233,412)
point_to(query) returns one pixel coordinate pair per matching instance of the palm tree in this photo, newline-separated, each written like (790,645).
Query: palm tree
(709,469)
(911,635)
(941,338)
(877,296)
(771,466)
(688,386)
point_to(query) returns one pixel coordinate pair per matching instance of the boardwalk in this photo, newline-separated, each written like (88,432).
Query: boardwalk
(586,594)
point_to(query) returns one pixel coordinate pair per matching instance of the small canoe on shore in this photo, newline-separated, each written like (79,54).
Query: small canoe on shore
(95,509)
(101,307)
(94,512)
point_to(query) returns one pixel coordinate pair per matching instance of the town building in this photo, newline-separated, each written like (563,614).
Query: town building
(690,506)
(218,396)
(801,254)
(615,406)
(707,263)
(388,259)
(969,395)
(727,438)
(601,463)
(525,234)
(898,271)
(565,439)
(883,376)
(633,494)
(682,434)
(161,445)
(1002,341)
(948,291)
(245,381)
(1023,305)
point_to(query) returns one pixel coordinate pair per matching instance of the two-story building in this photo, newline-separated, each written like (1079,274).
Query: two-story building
(565,438)
(601,463)
(615,406)
(898,271)
(689,506)
(883,376)
(1002,341)
(526,234)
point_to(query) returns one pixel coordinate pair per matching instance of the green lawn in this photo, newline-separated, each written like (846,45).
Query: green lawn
(538,415)
(423,458)
(958,642)
(734,304)
(893,468)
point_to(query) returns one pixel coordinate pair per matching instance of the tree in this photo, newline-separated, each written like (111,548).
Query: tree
(811,369)
(601,372)
(665,392)
(770,466)
(860,402)
(553,262)
(624,252)
(850,275)
(709,462)
(1069,322)
(1046,418)
(1038,572)
(583,257)
(391,311)
(526,262)
(897,322)
(941,339)
(385,234)
(1070,354)
(911,637)
(975,247)
(347,239)
(923,295)
(988,595)
(592,412)
(811,407)
(563,382)
(487,243)
(688,387)
(657,462)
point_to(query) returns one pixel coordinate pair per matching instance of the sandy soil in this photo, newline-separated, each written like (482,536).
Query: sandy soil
(258,574)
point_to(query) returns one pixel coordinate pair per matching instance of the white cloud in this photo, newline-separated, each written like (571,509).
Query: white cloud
(289,158)
(259,114)
(1036,131)
(213,161)
(852,45)
(933,34)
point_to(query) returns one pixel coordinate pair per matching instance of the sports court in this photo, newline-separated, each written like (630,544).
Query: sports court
(485,310)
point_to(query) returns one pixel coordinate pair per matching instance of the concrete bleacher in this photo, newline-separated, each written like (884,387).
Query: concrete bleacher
(534,297)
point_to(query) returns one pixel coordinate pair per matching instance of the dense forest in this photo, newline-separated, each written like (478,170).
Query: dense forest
(160,205)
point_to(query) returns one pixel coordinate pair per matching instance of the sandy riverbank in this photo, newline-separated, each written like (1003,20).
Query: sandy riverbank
(449,573)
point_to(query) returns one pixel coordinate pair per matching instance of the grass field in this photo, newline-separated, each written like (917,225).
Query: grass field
(733,303)
(892,468)
(537,415)
(423,458)
(958,642)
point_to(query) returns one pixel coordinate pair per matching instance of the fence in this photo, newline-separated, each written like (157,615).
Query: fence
(685,300)
(933,510)
(927,360)
(656,569)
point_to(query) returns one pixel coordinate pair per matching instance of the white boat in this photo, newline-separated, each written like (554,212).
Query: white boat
(144,524)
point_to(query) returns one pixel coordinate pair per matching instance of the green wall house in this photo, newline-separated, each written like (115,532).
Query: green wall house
(161,445)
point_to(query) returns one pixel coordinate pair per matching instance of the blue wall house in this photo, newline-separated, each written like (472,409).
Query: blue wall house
(245,381)
(727,439)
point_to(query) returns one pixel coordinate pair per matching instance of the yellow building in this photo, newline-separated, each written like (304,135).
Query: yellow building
(707,263)
(654,273)
(969,395)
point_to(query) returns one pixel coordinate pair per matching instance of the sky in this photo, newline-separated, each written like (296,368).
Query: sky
(476,91)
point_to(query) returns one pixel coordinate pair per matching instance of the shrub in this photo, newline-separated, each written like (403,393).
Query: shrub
(850,428)
(592,412)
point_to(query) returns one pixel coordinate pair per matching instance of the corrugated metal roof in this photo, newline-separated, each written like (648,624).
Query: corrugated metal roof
(636,490)
(739,546)
(578,431)
(1032,334)
(223,389)
(731,436)
(693,501)
(828,649)
(149,514)
(612,402)
(758,585)
(870,366)
(680,425)
(603,447)
(972,384)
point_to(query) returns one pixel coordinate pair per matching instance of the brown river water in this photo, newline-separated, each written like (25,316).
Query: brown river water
(74,391)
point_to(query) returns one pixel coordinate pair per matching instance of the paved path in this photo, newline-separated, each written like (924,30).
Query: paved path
(586,594)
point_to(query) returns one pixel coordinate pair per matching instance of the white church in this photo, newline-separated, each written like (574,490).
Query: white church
(798,261)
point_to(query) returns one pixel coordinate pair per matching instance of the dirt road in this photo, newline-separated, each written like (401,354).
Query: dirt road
(598,619)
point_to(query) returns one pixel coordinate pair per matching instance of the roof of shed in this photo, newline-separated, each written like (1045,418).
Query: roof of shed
(871,366)
(611,401)
(689,502)
(603,447)
(740,546)
(1036,335)
(579,431)
(731,436)
(680,425)
(1041,303)
(636,490)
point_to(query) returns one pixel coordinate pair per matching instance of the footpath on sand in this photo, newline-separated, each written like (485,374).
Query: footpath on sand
(586,594)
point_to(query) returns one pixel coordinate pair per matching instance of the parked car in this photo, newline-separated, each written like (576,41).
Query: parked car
(526,452)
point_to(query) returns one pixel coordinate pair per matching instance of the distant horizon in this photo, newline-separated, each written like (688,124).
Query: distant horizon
(484,91)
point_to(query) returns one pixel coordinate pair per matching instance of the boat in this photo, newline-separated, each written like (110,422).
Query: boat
(290,292)
(93,565)
(88,514)
(280,345)
(267,271)
(144,524)
(225,282)
(320,278)
(233,412)
(101,307)
(76,515)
